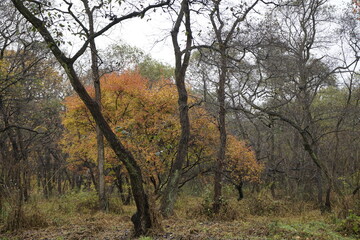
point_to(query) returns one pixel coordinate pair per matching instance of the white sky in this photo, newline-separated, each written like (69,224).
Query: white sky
(153,36)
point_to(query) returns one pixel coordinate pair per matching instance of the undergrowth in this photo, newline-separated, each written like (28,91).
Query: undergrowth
(258,216)
(40,212)
(278,218)
(260,204)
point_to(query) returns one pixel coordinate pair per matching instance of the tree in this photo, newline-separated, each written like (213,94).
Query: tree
(290,75)
(241,164)
(29,124)
(222,46)
(89,31)
(182,58)
(142,219)
(121,58)
(143,117)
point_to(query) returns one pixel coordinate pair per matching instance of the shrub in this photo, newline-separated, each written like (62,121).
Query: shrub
(350,225)
(115,205)
(24,217)
(228,211)
(87,202)
(264,205)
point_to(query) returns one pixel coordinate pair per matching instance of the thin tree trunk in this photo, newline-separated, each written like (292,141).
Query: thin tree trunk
(171,190)
(222,130)
(128,197)
(319,185)
(322,170)
(92,176)
(99,136)
(239,187)
(15,177)
(224,39)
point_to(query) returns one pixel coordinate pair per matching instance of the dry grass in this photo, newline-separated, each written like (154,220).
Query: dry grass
(259,205)
(74,217)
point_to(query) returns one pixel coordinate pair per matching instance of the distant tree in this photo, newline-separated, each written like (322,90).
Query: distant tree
(240,164)
(356,4)
(29,123)
(288,78)
(121,58)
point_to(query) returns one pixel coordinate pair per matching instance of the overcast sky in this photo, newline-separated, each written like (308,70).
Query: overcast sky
(153,36)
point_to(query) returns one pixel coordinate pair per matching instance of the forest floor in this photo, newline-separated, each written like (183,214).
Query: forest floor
(60,219)
(104,226)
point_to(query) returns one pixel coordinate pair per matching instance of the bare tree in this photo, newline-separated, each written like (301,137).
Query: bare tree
(289,76)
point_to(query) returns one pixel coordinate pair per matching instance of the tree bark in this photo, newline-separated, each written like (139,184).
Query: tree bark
(222,134)
(99,136)
(171,190)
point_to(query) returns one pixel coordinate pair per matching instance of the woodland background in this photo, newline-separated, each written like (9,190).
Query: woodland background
(253,132)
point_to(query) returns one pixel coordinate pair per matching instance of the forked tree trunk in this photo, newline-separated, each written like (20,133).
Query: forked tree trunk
(171,190)
(99,136)
(224,41)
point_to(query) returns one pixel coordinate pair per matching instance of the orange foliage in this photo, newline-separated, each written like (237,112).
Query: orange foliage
(145,118)
(356,4)
(241,162)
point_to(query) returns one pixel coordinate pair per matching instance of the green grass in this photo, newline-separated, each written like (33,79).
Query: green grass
(316,230)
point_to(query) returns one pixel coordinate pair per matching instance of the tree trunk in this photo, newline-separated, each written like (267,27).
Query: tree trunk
(239,187)
(103,203)
(99,136)
(24,175)
(322,170)
(128,197)
(327,206)
(222,131)
(221,115)
(171,190)
(223,41)
(59,183)
(15,176)
(319,185)
(92,176)
(125,197)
